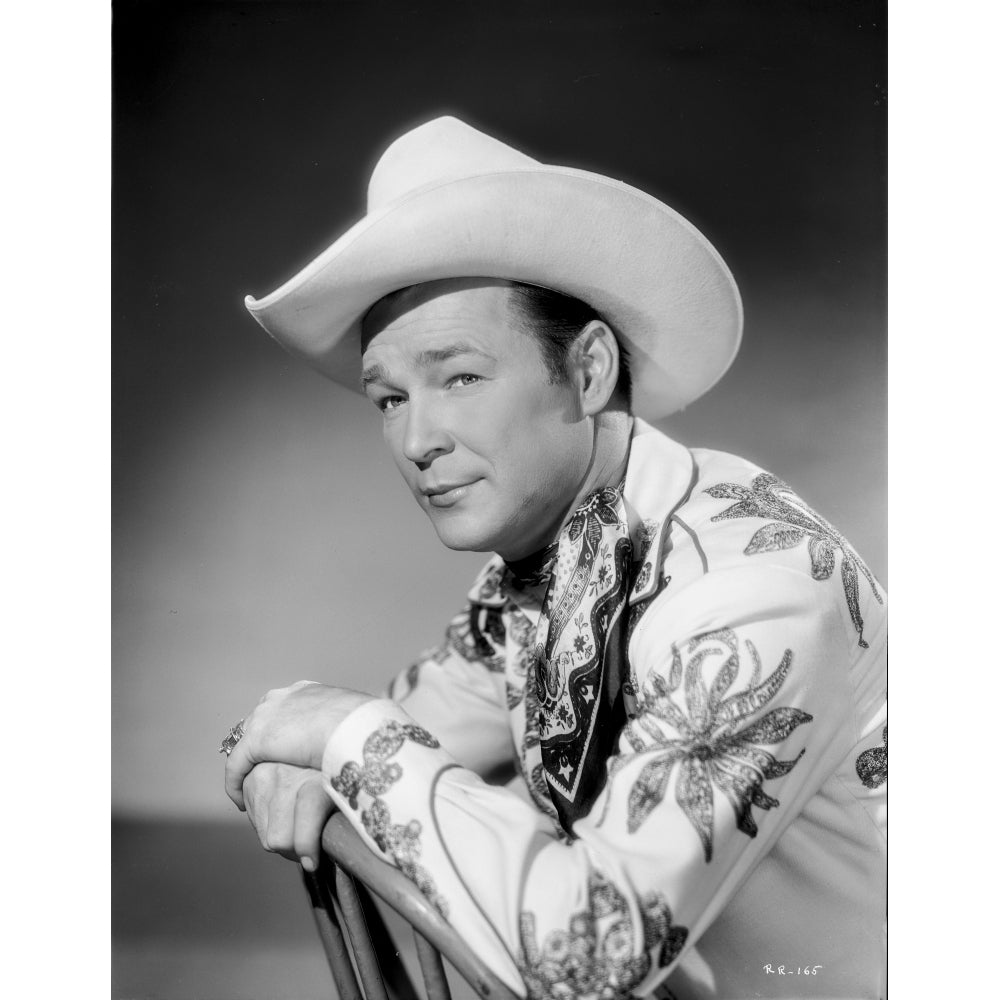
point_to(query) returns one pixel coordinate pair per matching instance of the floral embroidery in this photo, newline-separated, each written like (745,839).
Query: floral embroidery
(533,772)
(873,765)
(477,635)
(647,534)
(630,688)
(596,956)
(491,584)
(402,842)
(792,522)
(522,635)
(711,751)
(375,777)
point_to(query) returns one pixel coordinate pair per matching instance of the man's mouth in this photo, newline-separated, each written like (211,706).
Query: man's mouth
(447,494)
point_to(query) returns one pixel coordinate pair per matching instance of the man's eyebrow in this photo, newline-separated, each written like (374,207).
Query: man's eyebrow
(434,356)
(426,358)
(373,373)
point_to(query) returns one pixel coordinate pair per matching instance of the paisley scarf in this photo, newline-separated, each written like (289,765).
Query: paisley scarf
(580,652)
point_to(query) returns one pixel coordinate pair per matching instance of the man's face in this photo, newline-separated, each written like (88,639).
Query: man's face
(493,452)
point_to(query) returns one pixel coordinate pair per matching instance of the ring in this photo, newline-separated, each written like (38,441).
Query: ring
(235,735)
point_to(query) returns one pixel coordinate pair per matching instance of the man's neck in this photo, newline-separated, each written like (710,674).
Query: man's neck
(607,466)
(609,459)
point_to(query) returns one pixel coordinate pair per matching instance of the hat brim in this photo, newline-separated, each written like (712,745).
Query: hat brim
(657,280)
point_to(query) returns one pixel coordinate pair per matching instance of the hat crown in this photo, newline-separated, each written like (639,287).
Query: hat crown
(440,150)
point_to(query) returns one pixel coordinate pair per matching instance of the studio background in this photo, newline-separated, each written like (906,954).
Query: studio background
(261,533)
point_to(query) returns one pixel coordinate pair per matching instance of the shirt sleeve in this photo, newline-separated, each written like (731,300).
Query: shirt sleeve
(456,691)
(739,706)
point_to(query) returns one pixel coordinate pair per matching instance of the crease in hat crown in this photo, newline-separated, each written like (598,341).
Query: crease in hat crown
(446,200)
(440,150)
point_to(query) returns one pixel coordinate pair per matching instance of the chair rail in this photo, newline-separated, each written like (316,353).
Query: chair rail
(433,934)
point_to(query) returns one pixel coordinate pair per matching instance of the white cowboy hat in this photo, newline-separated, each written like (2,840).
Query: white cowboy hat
(447,201)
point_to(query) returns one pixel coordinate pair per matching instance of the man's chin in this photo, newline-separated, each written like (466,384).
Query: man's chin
(457,534)
(463,543)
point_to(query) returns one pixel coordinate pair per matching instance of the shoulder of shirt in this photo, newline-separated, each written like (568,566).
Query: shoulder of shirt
(716,473)
(739,517)
(697,525)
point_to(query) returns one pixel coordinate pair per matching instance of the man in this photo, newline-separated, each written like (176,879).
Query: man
(683,661)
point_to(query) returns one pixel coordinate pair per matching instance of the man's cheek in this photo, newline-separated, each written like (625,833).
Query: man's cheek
(405,467)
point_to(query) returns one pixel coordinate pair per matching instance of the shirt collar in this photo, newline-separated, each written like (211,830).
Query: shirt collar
(658,480)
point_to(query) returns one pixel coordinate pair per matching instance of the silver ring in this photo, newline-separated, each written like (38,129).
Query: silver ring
(235,735)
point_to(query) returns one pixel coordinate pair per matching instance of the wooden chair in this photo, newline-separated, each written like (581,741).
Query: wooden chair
(364,962)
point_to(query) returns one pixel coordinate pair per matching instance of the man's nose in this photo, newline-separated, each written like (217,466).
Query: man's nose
(425,436)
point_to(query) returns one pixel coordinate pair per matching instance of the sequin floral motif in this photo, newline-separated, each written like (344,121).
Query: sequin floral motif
(402,842)
(477,635)
(873,765)
(374,778)
(706,743)
(647,534)
(791,522)
(595,956)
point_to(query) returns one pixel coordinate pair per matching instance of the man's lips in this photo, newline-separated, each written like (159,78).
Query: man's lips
(447,494)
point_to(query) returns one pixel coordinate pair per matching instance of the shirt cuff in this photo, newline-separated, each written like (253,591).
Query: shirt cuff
(348,739)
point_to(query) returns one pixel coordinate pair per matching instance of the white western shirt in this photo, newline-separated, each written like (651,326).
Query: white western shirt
(737,848)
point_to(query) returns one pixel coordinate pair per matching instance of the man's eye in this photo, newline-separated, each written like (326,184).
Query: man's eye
(389,403)
(466,378)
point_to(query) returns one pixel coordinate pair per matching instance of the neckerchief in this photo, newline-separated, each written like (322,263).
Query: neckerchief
(533,570)
(580,652)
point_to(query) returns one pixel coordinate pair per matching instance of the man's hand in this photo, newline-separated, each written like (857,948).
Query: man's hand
(288,808)
(289,726)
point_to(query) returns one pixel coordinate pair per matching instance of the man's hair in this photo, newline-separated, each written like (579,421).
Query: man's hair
(555,320)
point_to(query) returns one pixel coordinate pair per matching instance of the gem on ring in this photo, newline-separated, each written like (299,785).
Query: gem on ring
(235,735)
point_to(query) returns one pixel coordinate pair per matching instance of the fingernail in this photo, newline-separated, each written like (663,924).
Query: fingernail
(308,864)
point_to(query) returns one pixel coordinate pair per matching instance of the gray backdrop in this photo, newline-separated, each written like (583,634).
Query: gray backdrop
(261,534)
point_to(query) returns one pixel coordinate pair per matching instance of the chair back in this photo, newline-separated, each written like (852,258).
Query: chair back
(364,962)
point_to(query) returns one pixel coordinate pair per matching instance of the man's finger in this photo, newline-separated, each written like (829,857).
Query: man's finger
(255,813)
(280,822)
(238,765)
(313,807)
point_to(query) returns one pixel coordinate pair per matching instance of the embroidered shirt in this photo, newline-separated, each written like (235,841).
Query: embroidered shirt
(740,829)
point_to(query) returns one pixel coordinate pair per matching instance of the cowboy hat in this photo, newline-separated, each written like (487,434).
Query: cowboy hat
(448,201)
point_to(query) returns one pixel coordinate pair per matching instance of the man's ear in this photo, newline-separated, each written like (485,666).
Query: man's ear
(596,359)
